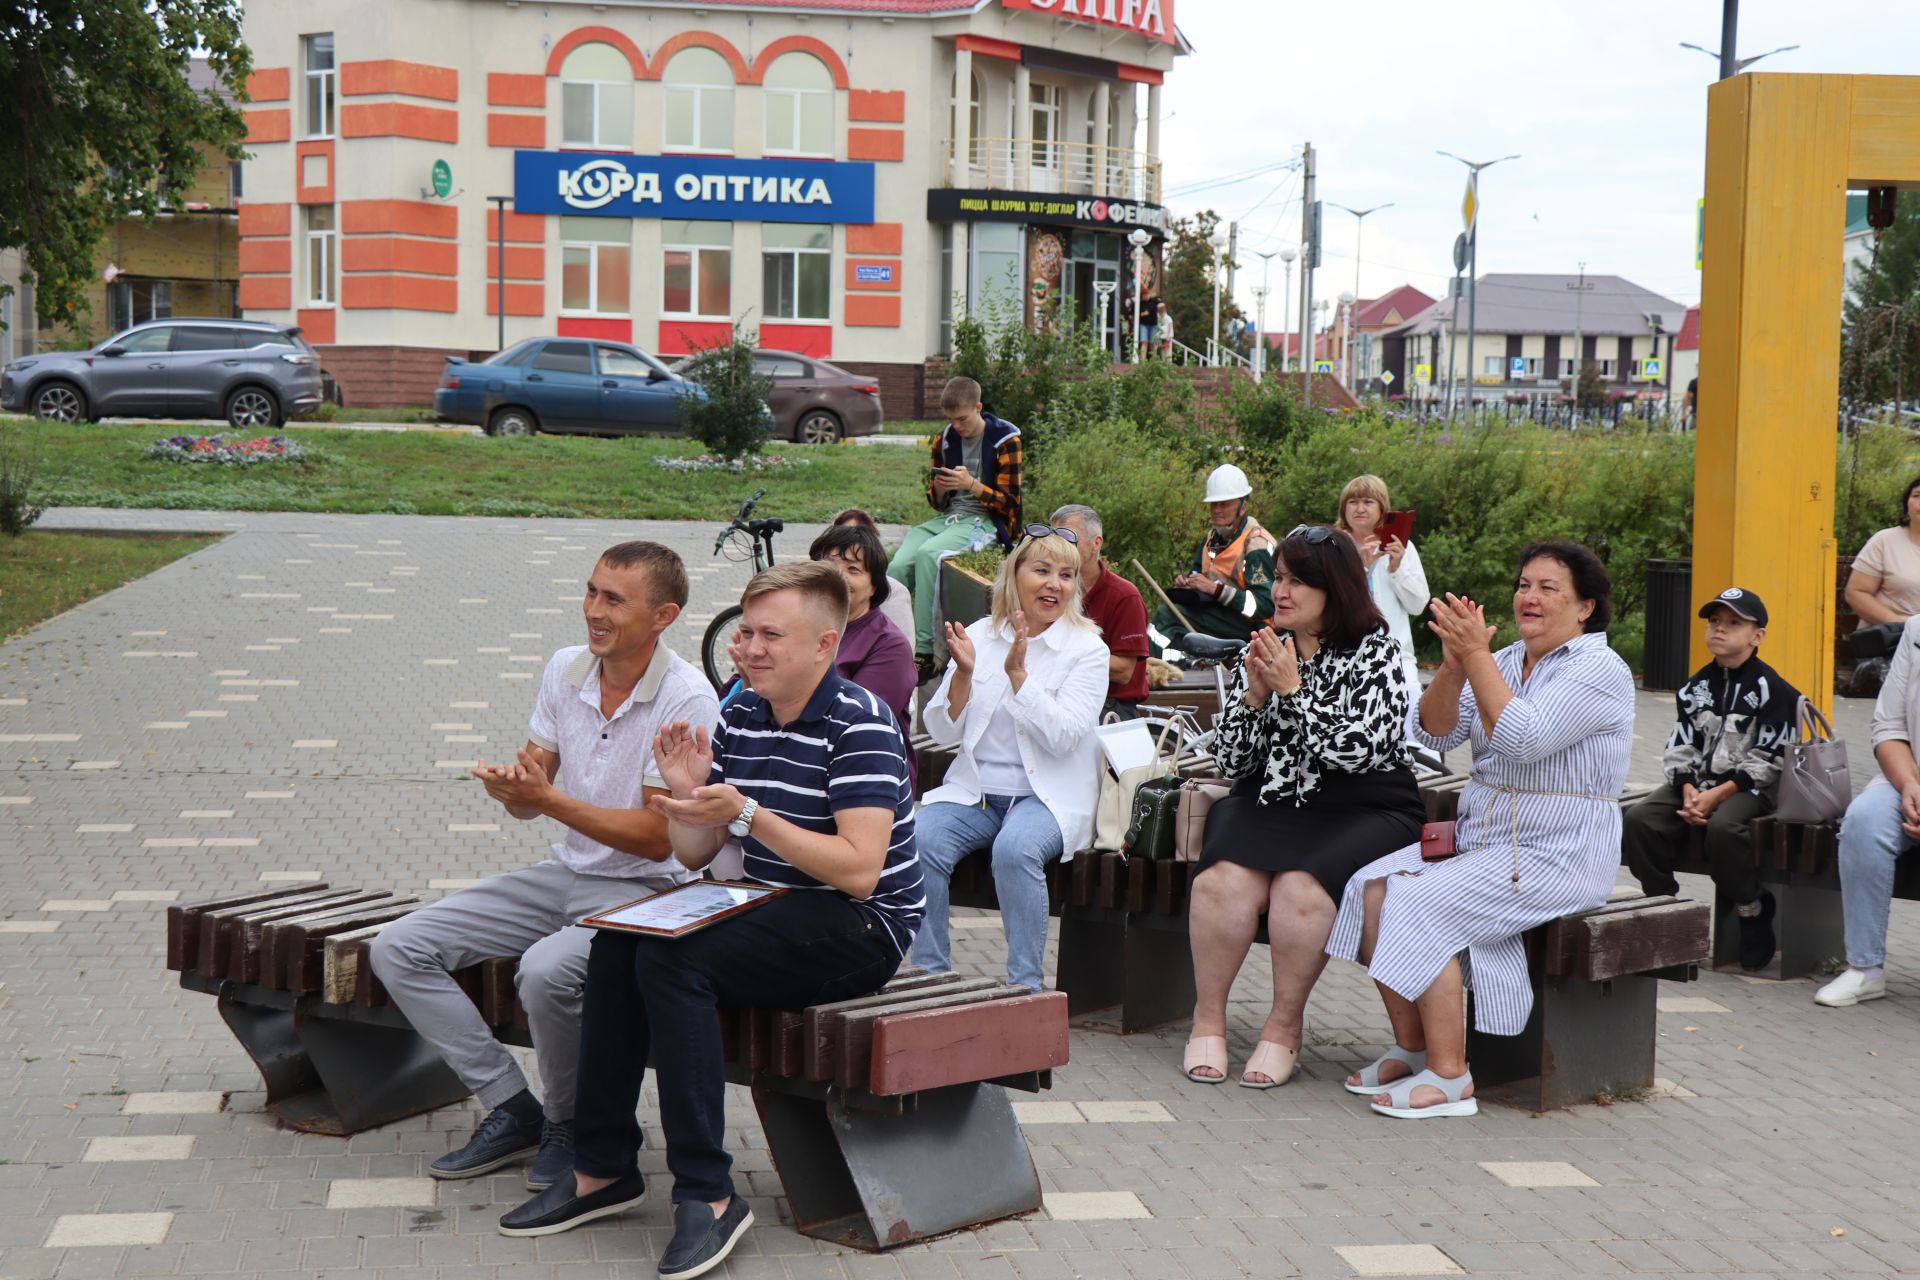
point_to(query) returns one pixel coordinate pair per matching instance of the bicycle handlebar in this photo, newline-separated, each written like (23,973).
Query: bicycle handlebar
(746,508)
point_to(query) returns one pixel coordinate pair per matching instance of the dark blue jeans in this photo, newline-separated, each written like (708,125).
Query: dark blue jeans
(658,997)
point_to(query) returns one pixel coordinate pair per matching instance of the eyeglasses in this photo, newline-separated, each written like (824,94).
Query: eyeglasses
(1315,534)
(1043,530)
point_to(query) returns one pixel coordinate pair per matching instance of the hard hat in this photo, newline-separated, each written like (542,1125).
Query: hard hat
(1227,482)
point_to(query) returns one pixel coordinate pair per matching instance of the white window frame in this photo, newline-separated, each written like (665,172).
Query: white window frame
(697,252)
(800,99)
(1493,366)
(596,142)
(797,254)
(1048,102)
(595,248)
(1606,368)
(323,284)
(326,79)
(700,91)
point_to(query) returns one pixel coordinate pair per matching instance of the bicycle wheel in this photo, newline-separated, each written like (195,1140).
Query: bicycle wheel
(713,647)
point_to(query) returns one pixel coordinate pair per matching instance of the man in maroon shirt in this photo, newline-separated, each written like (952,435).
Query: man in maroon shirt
(1115,604)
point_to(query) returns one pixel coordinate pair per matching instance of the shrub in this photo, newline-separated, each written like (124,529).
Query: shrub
(22,494)
(1020,370)
(731,419)
(1149,505)
(1877,463)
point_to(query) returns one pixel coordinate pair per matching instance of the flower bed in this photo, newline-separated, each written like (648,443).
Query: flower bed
(222,451)
(738,466)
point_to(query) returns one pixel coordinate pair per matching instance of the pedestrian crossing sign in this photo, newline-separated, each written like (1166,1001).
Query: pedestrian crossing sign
(1323,366)
(1650,370)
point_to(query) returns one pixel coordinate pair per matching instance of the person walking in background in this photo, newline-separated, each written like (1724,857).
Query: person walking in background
(975,485)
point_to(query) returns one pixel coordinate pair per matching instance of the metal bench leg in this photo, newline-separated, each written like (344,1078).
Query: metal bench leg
(338,1078)
(1087,968)
(1121,974)
(954,1158)
(1583,1039)
(1807,920)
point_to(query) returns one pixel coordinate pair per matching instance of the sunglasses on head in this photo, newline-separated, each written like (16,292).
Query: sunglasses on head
(1044,530)
(1315,534)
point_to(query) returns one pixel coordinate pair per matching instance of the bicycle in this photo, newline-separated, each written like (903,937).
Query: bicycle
(741,539)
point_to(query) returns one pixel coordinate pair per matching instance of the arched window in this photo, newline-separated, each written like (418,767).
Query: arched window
(699,95)
(799,94)
(596,98)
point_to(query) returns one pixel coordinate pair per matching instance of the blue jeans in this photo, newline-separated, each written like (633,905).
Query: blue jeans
(1024,839)
(1870,842)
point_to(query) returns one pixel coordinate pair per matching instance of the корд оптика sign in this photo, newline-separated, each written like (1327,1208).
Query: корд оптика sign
(717,188)
(949,204)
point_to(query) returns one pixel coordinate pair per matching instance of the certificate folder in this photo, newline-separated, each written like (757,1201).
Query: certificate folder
(684,909)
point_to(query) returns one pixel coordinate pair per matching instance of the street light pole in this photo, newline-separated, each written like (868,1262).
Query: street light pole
(1139,239)
(1260,333)
(1473,250)
(1287,256)
(1213,356)
(500,262)
(1359,229)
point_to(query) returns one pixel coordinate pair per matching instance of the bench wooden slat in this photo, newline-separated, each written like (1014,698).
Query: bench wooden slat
(183,920)
(823,1030)
(294,955)
(1113,870)
(1659,936)
(1139,875)
(217,927)
(935,1048)
(367,990)
(789,1044)
(248,955)
(343,962)
(856,1029)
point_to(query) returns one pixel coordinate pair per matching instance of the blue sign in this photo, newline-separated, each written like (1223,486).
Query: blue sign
(873,275)
(1516,367)
(709,188)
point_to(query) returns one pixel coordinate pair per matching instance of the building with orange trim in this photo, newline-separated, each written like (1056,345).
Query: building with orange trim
(804,170)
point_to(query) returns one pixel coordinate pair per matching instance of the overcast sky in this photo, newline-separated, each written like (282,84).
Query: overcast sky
(1607,112)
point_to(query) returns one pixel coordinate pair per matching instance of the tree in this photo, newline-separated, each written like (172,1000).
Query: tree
(1880,332)
(97,120)
(1186,286)
(731,418)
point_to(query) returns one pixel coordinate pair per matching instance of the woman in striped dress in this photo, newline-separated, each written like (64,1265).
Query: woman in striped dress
(1551,721)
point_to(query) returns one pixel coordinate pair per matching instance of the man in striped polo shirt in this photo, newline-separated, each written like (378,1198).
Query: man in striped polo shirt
(809,771)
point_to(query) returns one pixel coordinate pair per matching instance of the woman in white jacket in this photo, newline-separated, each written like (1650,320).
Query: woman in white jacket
(1395,579)
(1021,699)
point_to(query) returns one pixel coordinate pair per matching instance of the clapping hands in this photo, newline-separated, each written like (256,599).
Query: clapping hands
(1273,665)
(1462,627)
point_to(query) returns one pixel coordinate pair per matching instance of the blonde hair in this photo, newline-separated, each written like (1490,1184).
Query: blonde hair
(1366,486)
(1006,597)
(822,588)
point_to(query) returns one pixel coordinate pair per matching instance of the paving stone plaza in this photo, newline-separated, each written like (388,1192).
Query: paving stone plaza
(303,700)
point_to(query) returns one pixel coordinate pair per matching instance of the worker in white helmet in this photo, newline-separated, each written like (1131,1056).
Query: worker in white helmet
(1228,590)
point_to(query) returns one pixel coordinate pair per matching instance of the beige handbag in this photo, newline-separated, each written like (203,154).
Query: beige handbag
(1114,811)
(1197,799)
(1815,784)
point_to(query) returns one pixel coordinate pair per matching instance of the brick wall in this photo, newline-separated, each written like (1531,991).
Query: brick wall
(903,387)
(384,377)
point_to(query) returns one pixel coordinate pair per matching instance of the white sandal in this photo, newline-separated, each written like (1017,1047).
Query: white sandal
(1206,1051)
(1400,1097)
(1370,1082)
(1272,1060)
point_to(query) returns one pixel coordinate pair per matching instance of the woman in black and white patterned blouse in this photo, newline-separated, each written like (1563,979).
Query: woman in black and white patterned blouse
(1314,733)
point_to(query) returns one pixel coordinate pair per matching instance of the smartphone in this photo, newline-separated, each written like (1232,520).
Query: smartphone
(1398,524)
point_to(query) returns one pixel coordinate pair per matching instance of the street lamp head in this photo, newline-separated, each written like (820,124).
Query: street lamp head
(1346,298)
(1217,240)
(1138,238)
(1288,254)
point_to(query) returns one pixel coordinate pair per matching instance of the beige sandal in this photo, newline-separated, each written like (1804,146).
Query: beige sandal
(1206,1051)
(1274,1061)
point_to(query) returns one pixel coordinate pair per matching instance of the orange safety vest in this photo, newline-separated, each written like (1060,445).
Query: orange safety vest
(1225,563)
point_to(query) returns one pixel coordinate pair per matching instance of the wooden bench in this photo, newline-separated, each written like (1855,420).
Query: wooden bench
(886,1116)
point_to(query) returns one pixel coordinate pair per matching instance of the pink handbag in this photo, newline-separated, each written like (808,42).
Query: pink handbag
(1197,797)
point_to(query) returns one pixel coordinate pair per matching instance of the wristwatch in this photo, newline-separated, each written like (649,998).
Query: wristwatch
(744,823)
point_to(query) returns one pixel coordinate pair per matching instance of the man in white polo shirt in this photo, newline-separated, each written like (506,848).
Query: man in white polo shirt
(588,764)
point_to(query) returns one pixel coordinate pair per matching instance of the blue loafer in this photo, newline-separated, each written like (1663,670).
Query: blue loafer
(501,1139)
(701,1241)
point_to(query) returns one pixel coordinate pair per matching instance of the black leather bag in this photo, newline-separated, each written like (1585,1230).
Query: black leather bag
(1877,641)
(1156,819)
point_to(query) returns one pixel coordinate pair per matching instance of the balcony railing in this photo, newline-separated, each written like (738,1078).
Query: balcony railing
(1057,168)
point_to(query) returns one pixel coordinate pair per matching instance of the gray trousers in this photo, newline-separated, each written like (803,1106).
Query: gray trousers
(529,913)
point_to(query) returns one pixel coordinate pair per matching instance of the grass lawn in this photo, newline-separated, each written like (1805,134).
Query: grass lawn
(43,573)
(422,473)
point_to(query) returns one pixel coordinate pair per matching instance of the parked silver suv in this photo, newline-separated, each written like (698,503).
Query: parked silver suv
(249,372)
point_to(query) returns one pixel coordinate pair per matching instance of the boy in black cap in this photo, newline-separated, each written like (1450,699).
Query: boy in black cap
(1736,718)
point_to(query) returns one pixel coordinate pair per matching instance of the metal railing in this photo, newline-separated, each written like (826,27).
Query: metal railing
(1057,168)
(1219,353)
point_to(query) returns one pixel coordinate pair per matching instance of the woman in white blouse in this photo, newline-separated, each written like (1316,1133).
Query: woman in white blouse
(1020,700)
(1395,579)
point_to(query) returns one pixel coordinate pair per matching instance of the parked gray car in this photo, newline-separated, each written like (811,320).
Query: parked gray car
(249,372)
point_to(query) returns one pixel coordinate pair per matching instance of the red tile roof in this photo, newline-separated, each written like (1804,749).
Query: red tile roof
(1393,308)
(1688,338)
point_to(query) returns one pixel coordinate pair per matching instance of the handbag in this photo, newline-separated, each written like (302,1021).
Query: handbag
(1876,641)
(1197,798)
(1815,785)
(1436,842)
(1155,817)
(1113,812)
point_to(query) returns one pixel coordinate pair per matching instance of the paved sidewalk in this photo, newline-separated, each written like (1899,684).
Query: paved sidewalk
(303,699)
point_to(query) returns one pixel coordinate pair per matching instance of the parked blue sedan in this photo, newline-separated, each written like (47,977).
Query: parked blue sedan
(565,385)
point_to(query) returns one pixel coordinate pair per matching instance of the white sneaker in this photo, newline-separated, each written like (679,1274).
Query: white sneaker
(1851,988)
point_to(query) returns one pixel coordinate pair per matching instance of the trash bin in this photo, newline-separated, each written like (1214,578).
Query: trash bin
(1669,623)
